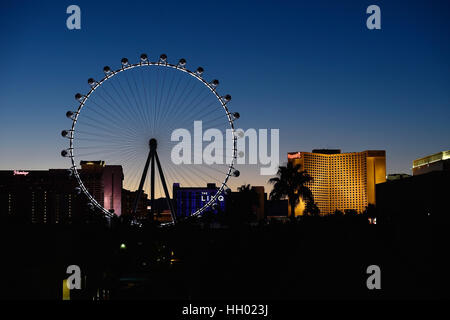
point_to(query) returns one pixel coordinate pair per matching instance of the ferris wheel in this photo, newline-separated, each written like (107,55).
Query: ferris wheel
(128,119)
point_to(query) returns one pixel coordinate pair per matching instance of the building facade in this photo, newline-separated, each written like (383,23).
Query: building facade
(49,196)
(104,183)
(341,181)
(142,209)
(261,198)
(39,197)
(415,199)
(397,176)
(189,199)
(436,162)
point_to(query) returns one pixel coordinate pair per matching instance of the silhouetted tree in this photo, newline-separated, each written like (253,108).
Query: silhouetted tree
(291,182)
(312,209)
(338,213)
(350,212)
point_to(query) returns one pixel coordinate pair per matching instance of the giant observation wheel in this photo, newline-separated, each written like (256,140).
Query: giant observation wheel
(127,119)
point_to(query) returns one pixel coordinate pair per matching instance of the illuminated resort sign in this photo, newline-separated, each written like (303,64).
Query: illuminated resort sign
(20,173)
(206,196)
(190,199)
(294,155)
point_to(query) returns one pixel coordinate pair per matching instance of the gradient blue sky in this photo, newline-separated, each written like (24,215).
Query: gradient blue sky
(311,69)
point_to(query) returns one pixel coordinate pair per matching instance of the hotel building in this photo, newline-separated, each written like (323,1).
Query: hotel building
(341,181)
(436,162)
(190,199)
(104,183)
(49,196)
(39,197)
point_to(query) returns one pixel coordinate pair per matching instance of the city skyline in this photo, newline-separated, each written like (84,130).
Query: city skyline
(225,158)
(343,87)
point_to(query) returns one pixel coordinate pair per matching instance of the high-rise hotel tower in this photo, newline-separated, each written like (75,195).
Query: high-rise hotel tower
(341,181)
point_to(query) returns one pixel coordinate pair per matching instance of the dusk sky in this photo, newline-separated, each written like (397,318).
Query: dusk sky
(314,71)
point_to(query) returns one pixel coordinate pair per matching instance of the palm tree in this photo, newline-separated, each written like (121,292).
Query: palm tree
(290,182)
(312,209)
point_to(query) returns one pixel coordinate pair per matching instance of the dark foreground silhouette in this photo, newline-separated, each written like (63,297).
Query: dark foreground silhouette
(315,258)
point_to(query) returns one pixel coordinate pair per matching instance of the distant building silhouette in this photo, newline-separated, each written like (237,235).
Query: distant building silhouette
(436,162)
(104,183)
(326,151)
(341,181)
(415,198)
(260,208)
(162,211)
(397,176)
(276,209)
(128,198)
(40,197)
(49,196)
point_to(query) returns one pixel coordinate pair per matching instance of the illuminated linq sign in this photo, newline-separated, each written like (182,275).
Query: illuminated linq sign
(20,173)
(189,200)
